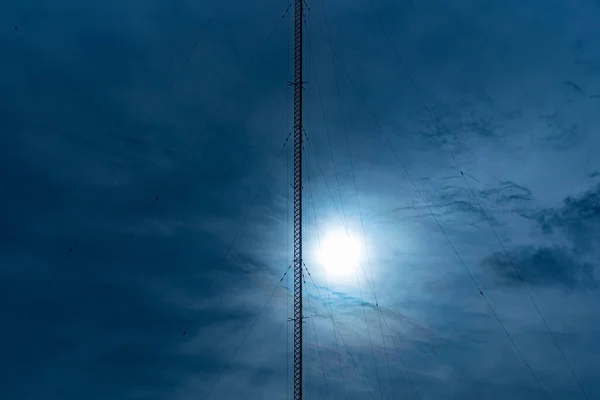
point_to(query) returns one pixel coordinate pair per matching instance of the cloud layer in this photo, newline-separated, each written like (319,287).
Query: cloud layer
(134,259)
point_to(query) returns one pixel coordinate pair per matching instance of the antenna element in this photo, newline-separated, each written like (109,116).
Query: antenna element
(297,83)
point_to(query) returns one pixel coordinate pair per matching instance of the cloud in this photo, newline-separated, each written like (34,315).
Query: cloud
(88,330)
(561,134)
(509,193)
(577,219)
(542,267)
(108,322)
(573,86)
(450,200)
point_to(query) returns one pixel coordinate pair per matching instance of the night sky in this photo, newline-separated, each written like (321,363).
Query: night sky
(146,206)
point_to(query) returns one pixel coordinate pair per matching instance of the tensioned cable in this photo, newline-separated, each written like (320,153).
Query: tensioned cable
(342,220)
(368,283)
(363,305)
(345,130)
(460,170)
(359,262)
(340,333)
(361,221)
(343,211)
(325,126)
(382,315)
(436,220)
(313,314)
(337,346)
(362,302)
(246,334)
(410,379)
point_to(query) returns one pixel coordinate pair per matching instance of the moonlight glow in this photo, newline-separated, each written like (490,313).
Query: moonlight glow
(339,254)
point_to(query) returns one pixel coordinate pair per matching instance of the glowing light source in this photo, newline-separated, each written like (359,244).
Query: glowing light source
(339,254)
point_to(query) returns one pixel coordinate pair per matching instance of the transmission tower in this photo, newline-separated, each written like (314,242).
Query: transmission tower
(297,83)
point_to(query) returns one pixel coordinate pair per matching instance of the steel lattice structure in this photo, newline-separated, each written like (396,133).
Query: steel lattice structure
(298,143)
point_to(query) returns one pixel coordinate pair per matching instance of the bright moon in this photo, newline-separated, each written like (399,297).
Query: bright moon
(339,254)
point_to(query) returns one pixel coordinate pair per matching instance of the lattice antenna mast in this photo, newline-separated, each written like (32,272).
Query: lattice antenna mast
(298,130)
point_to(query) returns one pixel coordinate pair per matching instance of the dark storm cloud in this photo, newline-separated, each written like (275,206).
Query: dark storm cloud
(544,267)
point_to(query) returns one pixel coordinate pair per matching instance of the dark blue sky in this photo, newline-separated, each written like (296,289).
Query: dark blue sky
(109,293)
